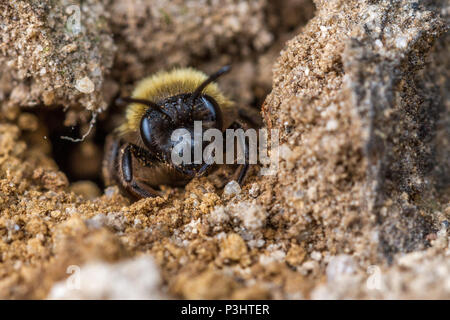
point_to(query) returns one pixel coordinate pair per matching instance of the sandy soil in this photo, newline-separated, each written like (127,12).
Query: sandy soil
(360,204)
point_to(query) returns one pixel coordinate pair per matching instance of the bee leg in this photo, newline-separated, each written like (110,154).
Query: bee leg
(251,116)
(125,172)
(244,167)
(109,165)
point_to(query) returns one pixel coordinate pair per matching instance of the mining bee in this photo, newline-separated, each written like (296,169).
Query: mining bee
(138,153)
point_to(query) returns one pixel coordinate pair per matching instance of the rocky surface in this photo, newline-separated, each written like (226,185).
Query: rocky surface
(356,101)
(133,279)
(359,207)
(54,53)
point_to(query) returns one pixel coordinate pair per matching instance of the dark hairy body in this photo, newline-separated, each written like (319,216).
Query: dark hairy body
(138,156)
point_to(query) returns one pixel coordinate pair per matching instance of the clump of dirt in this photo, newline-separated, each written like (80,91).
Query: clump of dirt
(54,53)
(358,208)
(359,127)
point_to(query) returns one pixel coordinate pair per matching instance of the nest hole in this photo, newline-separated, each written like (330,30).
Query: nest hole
(80,161)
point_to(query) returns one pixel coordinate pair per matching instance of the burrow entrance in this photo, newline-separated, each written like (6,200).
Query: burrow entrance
(82,161)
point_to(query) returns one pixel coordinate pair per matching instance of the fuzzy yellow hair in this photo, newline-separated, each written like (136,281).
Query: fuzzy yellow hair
(163,85)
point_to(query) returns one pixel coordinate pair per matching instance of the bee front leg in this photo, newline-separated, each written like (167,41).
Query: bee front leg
(125,174)
(244,167)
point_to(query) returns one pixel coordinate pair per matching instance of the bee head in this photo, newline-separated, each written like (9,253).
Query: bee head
(163,119)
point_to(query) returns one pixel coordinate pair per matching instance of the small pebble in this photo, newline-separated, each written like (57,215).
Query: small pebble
(85,85)
(232,188)
(315,255)
(332,125)
(254,190)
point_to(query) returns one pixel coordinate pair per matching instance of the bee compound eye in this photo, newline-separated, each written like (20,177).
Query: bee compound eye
(208,111)
(146,131)
(154,131)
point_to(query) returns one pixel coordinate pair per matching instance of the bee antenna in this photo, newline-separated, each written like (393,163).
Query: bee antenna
(210,79)
(151,104)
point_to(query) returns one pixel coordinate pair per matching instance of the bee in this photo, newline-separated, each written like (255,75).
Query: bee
(138,154)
